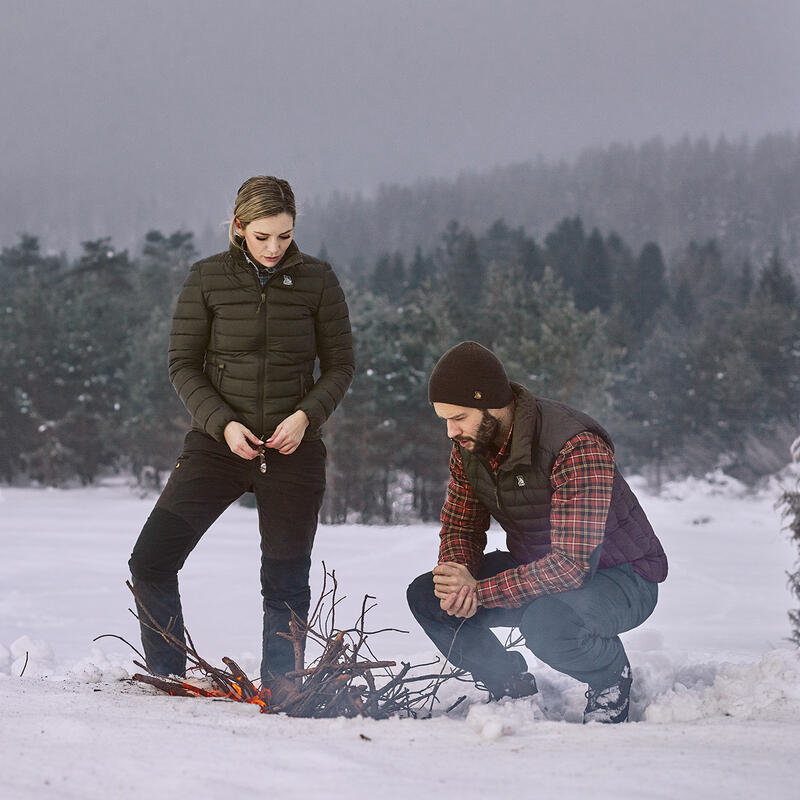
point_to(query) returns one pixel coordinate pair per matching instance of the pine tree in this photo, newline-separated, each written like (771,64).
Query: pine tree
(565,247)
(464,278)
(648,290)
(776,284)
(165,264)
(790,500)
(595,288)
(420,272)
(389,276)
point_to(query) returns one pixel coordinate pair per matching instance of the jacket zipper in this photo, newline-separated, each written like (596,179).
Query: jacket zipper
(220,372)
(262,365)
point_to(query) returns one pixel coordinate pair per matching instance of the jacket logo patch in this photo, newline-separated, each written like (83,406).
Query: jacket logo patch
(477,395)
(520,480)
(287,280)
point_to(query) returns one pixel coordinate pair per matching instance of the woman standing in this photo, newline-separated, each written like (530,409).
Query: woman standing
(249,326)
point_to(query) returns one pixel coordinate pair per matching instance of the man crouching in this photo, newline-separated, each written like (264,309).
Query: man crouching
(583,562)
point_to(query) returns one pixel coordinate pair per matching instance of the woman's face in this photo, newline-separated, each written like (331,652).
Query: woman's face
(267,237)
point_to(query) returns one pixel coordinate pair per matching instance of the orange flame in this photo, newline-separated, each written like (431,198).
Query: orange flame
(261,699)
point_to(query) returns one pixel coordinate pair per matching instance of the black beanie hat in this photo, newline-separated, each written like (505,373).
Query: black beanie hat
(472,376)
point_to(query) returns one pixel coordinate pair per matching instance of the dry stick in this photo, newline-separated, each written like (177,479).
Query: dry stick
(447,658)
(358,666)
(171,687)
(25,665)
(323,593)
(457,703)
(298,638)
(246,685)
(114,636)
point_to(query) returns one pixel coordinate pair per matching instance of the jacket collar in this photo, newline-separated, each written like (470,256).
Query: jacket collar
(292,257)
(525,430)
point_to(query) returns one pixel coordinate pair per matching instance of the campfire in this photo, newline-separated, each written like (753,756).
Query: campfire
(346,679)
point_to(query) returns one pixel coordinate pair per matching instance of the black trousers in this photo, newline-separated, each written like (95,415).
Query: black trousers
(207,478)
(576,632)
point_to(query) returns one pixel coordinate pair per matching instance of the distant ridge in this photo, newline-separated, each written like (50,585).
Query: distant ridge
(745,195)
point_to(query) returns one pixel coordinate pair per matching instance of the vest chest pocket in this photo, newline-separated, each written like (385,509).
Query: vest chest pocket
(517,494)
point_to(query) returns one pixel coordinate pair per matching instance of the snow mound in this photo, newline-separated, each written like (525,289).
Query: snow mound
(34,656)
(712,484)
(505,717)
(766,690)
(97,668)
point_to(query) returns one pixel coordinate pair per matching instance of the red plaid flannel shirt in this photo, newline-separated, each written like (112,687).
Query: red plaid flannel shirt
(582,478)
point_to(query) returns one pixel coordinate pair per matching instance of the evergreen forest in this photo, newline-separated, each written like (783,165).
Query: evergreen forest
(690,356)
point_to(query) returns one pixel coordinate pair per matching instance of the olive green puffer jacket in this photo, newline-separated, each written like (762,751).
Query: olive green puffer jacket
(240,351)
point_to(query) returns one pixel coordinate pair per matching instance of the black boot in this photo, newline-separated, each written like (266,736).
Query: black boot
(517,684)
(522,685)
(163,602)
(611,704)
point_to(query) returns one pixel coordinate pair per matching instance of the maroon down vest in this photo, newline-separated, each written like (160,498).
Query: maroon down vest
(518,497)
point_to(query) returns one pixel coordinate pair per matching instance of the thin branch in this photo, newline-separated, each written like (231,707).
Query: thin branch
(114,636)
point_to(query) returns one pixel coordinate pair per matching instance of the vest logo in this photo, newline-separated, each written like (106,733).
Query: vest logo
(477,395)
(287,280)
(520,480)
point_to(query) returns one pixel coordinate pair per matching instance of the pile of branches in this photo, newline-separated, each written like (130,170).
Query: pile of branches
(346,679)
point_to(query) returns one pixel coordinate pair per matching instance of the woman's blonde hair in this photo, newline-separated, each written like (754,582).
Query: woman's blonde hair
(260,196)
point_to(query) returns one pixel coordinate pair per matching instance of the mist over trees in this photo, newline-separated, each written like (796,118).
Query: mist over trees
(691,359)
(744,195)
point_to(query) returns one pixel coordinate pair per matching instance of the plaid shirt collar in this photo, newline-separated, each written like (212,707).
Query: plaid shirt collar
(496,460)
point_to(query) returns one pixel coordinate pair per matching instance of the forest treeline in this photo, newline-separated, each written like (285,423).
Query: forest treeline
(743,194)
(691,362)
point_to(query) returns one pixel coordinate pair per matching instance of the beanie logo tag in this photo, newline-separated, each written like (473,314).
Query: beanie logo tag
(477,395)
(520,480)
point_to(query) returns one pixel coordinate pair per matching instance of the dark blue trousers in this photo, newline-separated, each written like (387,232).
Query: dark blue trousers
(575,632)
(206,480)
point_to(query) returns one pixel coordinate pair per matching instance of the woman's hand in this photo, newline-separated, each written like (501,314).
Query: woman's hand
(289,433)
(241,440)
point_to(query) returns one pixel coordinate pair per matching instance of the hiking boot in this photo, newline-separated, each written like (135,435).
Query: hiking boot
(611,704)
(521,685)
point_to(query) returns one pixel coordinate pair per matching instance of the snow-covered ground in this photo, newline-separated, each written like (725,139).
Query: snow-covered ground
(716,698)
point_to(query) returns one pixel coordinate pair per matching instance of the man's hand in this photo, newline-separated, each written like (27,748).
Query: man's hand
(289,433)
(241,440)
(456,589)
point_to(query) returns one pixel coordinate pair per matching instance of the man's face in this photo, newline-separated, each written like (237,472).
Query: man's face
(475,429)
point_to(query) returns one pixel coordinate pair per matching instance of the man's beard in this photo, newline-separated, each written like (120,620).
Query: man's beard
(485,435)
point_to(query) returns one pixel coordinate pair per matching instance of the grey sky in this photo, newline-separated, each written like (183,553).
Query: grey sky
(181,100)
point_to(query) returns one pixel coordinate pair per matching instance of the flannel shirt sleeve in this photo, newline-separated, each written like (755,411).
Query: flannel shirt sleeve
(582,479)
(465,520)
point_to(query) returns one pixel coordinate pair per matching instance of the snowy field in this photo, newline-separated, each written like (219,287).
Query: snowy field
(716,697)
